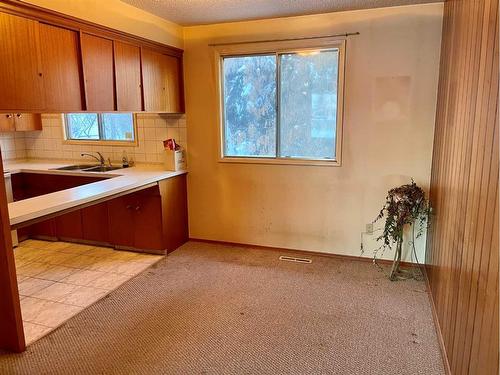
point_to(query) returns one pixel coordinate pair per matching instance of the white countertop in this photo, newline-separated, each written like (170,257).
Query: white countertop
(123,180)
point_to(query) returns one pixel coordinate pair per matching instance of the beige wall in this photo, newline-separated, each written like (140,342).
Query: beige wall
(390,100)
(120,16)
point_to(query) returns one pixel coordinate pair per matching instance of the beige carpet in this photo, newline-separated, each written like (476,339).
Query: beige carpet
(213,309)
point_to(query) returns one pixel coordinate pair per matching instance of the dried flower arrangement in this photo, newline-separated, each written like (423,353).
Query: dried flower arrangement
(404,205)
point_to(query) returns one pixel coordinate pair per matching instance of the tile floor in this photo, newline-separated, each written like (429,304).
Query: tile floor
(57,280)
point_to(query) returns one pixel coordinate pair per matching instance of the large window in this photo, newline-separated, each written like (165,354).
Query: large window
(111,127)
(282,106)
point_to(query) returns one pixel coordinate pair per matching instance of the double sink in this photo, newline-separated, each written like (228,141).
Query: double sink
(87,168)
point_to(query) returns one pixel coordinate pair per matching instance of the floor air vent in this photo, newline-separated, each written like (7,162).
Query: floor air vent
(293,259)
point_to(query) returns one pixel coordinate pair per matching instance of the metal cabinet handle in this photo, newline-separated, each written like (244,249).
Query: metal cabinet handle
(18,115)
(130,207)
(8,115)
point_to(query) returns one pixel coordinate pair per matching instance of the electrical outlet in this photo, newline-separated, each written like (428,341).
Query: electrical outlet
(369,228)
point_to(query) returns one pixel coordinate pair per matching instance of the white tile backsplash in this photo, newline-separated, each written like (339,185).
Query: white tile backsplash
(152,130)
(13,145)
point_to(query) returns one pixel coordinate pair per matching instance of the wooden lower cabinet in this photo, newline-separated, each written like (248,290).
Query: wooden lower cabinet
(121,221)
(69,226)
(173,192)
(150,220)
(27,185)
(95,223)
(45,230)
(135,220)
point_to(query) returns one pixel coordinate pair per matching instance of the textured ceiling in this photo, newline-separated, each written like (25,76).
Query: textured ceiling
(197,12)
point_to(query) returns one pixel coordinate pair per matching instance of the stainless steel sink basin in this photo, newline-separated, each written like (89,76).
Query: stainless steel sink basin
(87,168)
(76,167)
(103,168)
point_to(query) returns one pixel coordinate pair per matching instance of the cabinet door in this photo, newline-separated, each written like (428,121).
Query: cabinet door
(95,223)
(175,211)
(45,229)
(155,95)
(121,221)
(128,77)
(161,82)
(148,223)
(97,58)
(7,122)
(20,68)
(69,225)
(172,71)
(61,68)
(28,121)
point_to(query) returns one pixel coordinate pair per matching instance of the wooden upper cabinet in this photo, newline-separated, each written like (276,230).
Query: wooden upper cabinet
(128,77)
(7,122)
(162,82)
(28,121)
(10,122)
(52,67)
(173,72)
(61,69)
(155,94)
(172,68)
(98,72)
(20,67)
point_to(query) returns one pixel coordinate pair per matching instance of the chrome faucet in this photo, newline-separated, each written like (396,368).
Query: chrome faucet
(100,159)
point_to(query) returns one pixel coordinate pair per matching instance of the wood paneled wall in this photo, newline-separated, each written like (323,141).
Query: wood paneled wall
(462,252)
(11,324)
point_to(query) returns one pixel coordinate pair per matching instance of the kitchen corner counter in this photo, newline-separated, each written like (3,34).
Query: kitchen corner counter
(119,181)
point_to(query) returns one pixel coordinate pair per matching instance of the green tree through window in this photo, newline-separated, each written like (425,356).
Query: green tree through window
(281,105)
(100,126)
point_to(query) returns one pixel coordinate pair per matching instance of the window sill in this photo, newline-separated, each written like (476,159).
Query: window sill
(281,161)
(100,143)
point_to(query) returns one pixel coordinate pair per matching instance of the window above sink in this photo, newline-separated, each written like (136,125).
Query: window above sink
(100,128)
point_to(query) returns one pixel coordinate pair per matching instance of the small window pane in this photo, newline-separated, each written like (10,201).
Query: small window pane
(117,127)
(250,106)
(82,126)
(308,104)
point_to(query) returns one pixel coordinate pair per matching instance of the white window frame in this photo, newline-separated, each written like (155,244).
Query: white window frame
(99,141)
(291,46)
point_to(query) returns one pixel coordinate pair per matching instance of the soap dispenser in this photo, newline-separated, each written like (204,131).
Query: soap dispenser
(125,163)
